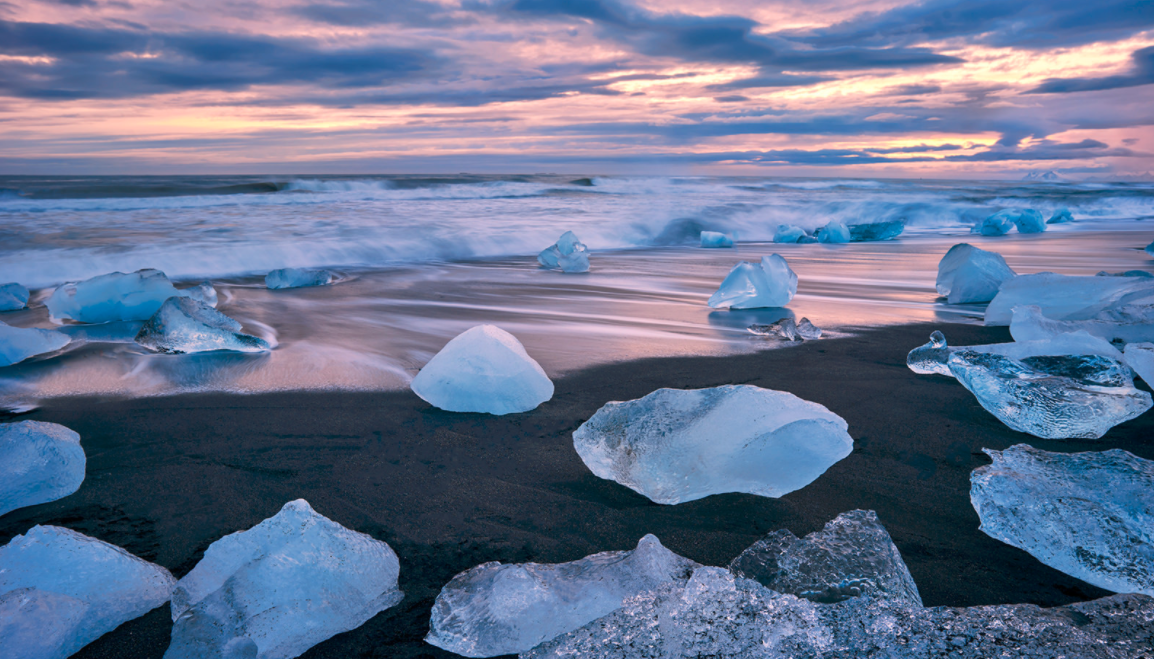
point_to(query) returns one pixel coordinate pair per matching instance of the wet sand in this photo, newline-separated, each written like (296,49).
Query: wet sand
(168,476)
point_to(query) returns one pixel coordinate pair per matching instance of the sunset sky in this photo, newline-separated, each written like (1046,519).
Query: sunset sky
(987,88)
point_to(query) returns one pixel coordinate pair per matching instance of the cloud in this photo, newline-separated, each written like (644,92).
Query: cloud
(1142,74)
(356,13)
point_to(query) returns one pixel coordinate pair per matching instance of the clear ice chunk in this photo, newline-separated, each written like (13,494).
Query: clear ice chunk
(788,233)
(1089,515)
(61,590)
(1067,297)
(967,274)
(202,292)
(297,278)
(484,369)
(679,445)
(1140,357)
(19,343)
(873,231)
(802,330)
(39,462)
(1061,216)
(184,325)
(1028,324)
(112,297)
(770,283)
(934,357)
(852,556)
(568,254)
(496,609)
(281,587)
(715,239)
(833,232)
(13,297)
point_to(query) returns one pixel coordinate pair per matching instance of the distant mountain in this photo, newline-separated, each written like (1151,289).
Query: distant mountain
(1048,175)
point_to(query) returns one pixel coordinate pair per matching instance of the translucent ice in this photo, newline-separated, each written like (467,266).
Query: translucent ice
(998,224)
(715,239)
(967,274)
(484,369)
(112,297)
(60,590)
(297,278)
(1053,397)
(876,231)
(834,232)
(788,233)
(13,297)
(18,343)
(934,357)
(202,292)
(568,254)
(39,462)
(496,609)
(852,556)
(1140,357)
(1090,515)
(1061,216)
(770,283)
(281,587)
(678,445)
(802,330)
(184,325)
(1028,324)
(1066,297)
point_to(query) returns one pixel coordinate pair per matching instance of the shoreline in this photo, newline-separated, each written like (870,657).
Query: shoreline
(169,475)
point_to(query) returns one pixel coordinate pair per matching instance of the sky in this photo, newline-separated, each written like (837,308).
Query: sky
(941,88)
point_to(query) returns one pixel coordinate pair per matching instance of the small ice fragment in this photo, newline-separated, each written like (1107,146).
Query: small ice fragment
(112,297)
(1028,324)
(1140,357)
(1085,514)
(297,278)
(788,330)
(833,232)
(715,239)
(874,231)
(852,556)
(568,254)
(1068,297)
(484,369)
(807,330)
(788,233)
(203,292)
(183,325)
(679,445)
(998,224)
(494,609)
(771,283)
(13,297)
(61,590)
(39,462)
(18,343)
(967,274)
(1150,249)
(1061,216)
(281,587)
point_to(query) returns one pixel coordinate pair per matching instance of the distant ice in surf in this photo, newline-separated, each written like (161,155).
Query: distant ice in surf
(1061,216)
(788,233)
(875,231)
(568,254)
(1027,220)
(834,232)
(802,330)
(13,297)
(968,274)
(770,283)
(18,343)
(677,445)
(483,369)
(184,325)
(116,297)
(297,278)
(715,239)
(1067,297)
(39,462)
(1150,249)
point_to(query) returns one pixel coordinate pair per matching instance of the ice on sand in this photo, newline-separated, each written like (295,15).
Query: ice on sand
(297,278)
(484,369)
(496,609)
(834,232)
(61,590)
(770,283)
(852,556)
(802,330)
(13,297)
(112,297)
(788,233)
(968,274)
(1067,297)
(19,343)
(1029,324)
(679,445)
(568,254)
(934,356)
(1089,515)
(39,462)
(1061,216)
(874,231)
(281,587)
(183,325)
(715,239)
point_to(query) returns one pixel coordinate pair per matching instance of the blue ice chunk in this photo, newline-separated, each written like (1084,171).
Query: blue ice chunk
(1069,297)
(1061,216)
(13,297)
(715,239)
(1029,220)
(788,233)
(18,343)
(568,254)
(112,297)
(998,224)
(770,283)
(39,462)
(874,231)
(297,278)
(184,325)
(834,232)
(967,274)
(1150,249)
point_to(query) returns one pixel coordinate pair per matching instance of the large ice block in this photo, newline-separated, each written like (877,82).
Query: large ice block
(61,590)
(496,609)
(1067,297)
(19,343)
(968,274)
(483,369)
(568,254)
(678,445)
(281,587)
(112,297)
(297,278)
(1027,323)
(39,462)
(872,231)
(13,297)
(834,232)
(1090,515)
(183,325)
(934,356)
(770,283)
(715,239)
(788,233)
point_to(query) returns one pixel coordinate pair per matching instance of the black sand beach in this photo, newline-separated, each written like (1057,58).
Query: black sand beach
(168,476)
